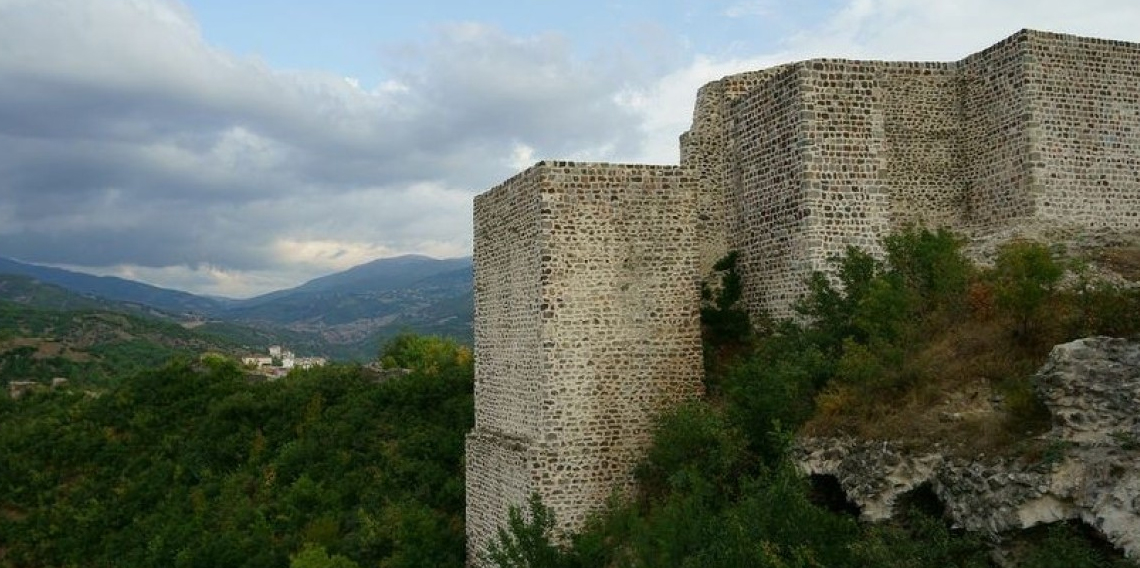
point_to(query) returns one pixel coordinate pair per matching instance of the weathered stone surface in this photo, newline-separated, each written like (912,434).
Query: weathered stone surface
(1090,472)
(587,298)
(587,275)
(1092,388)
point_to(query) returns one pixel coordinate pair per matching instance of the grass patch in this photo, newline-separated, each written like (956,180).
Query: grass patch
(925,350)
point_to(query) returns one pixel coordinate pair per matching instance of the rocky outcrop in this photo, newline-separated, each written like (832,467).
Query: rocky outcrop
(1089,469)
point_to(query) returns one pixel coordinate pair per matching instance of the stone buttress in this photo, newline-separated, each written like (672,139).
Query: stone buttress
(587,298)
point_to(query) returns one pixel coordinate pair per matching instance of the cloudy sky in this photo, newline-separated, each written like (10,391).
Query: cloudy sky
(233,148)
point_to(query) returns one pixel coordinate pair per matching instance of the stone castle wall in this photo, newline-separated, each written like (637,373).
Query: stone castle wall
(1085,108)
(996,134)
(586,290)
(798,162)
(587,275)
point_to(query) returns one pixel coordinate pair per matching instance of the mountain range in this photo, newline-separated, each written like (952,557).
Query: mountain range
(346,315)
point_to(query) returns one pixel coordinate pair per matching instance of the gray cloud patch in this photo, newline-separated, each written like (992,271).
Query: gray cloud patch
(126,139)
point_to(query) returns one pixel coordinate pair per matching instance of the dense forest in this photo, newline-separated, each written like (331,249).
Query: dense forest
(193,464)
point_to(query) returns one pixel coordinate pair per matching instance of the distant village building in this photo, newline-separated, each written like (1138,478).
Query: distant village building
(17,389)
(288,361)
(257,361)
(309,362)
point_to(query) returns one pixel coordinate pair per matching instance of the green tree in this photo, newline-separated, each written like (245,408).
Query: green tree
(315,556)
(724,320)
(424,353)
(1026,275)
(527,541)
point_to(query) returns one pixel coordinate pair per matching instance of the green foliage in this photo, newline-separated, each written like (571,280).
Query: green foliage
(313,556)
(1026,276)
(90,347)
(772,390)
(923,281)
(832,310)
(920,540)
(191,465)
(931,266)
(1103,308)
(527,541)
(1064,547)
(695,450)
(427,354)
(724,321)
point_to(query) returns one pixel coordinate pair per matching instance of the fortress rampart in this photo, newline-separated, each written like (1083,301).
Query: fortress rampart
(587,275)
(587,290)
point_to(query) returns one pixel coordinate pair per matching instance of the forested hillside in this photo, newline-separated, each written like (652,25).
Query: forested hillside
(193,465)
(91,347)
(343,316)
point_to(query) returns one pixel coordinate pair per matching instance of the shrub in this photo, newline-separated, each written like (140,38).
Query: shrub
(1064,547)
(427,354)
(774,390)
(527,542)
(1025,277)
(722,318)
(931,265)
(694,450)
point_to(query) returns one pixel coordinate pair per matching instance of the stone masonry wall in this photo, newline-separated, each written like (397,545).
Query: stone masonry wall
(1039,126)
(846,200)
(508,343)
(587,275)
(766,190)
(705,150)
(995,134)
(1086,110)
(612,277)
(922,129)
(507,260)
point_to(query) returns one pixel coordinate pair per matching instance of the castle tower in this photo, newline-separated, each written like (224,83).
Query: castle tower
(587,303)
(795,163)
(587,275)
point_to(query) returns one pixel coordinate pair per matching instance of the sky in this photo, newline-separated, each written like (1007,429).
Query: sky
(235,148)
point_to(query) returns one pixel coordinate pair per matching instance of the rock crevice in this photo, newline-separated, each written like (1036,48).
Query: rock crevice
(1089,471)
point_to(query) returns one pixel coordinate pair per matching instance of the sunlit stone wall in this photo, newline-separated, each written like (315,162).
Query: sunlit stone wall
(587,298)
(587,275)
(1085,151)
(808,158)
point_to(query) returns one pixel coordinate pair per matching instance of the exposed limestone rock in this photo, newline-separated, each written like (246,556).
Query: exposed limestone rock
(1089,471)
(1092,388)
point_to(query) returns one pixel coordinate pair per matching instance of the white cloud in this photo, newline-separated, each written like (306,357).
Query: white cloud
(128,141)
(666,106)
(522,156)
(328,255)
